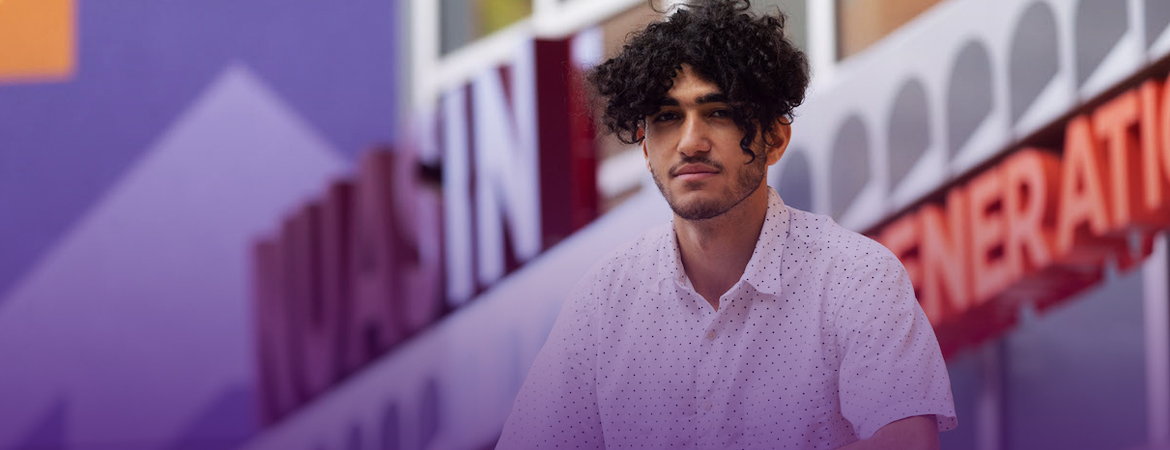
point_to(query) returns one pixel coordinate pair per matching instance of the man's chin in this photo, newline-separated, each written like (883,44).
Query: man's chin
(696,209)
(704,204)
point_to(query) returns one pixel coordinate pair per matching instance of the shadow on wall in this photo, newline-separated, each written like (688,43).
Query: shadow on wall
(49,431)
(227,421)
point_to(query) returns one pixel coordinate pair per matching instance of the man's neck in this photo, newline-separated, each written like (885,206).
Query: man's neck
(716,251)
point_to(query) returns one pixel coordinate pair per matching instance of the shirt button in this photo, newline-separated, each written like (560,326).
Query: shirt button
(706,405)
(711,335)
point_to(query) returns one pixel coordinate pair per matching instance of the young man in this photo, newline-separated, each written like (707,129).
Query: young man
(743,323)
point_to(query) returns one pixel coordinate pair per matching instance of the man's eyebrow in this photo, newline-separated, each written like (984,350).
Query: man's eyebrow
(667,101)
(714,97)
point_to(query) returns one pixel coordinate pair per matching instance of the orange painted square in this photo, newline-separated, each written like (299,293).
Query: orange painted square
(37,39)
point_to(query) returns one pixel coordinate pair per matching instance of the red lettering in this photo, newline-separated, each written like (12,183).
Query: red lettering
(1115,123)
(1155,133)
(1082,216)
(277,396)
(1039,227)
(944,252)
(1030,177)
(568,179)
(323,327)
(375,319)
(302,290)
(418,244)
(989,226)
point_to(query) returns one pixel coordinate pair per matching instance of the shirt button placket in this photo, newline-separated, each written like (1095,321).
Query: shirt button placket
(707,371)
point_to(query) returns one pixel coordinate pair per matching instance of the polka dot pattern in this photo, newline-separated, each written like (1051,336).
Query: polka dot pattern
(819,344)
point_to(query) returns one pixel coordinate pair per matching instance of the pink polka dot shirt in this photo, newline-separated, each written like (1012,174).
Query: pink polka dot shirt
(819,344)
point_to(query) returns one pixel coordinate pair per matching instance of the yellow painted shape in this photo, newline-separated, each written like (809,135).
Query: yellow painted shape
(37,40)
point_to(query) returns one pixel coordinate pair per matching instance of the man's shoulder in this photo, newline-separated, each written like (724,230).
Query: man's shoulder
(643,251)
(637,257)
(822,235)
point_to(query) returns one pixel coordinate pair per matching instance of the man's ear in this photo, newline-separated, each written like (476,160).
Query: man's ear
(779,137)
(646,155)
(641,135)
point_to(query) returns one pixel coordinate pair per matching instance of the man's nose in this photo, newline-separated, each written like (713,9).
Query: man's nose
(695,137)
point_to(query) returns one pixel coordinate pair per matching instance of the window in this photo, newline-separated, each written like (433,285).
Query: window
(861,23)
(463,21)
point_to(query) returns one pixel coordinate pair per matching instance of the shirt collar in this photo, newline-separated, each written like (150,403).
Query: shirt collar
(767,254)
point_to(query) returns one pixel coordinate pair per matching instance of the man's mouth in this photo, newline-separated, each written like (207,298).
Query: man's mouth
(695,172)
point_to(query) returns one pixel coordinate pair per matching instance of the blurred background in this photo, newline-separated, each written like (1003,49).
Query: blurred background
(319,225)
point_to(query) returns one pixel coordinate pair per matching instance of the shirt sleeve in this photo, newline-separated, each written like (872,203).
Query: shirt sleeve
(891,367)
(557,405)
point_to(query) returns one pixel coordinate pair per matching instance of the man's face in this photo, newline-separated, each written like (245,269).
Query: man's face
(692,149)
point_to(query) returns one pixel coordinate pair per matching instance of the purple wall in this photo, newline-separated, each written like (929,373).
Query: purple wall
(131,192)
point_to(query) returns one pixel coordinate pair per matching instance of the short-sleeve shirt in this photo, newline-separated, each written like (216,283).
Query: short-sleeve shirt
(819,344)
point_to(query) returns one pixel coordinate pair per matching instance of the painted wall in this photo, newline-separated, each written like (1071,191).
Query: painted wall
(143,146)
(920,111)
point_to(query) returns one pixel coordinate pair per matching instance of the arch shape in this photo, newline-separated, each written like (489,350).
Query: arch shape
(1157,19)
(908,134)
(969,94)
(1034,59)
(1100,24)
(795,181)
(849,164)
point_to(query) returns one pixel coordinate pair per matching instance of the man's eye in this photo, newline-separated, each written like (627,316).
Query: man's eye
(665,117)
(721,113)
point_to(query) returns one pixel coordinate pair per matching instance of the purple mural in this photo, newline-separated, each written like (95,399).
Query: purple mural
(132,188)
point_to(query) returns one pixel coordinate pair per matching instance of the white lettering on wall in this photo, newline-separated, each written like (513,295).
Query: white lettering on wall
(457,198)
(506,166)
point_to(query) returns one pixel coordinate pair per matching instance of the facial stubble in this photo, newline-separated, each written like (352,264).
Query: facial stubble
(743,187)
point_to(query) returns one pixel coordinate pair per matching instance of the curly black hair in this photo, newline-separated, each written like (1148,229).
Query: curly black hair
(747,56)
